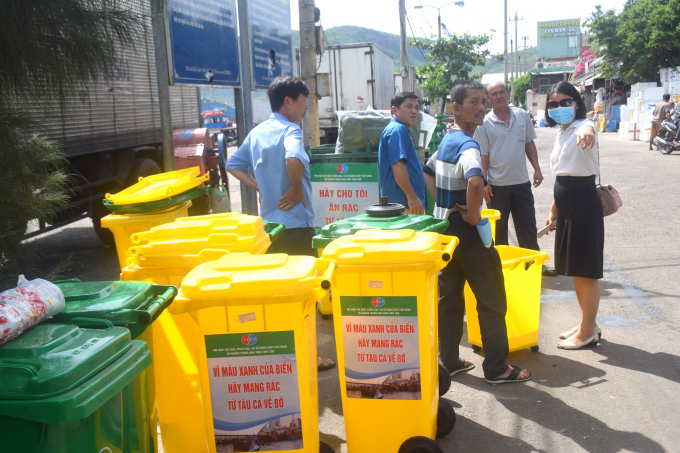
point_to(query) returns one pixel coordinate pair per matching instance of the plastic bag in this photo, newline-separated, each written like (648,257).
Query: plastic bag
(356,129)
(26,305)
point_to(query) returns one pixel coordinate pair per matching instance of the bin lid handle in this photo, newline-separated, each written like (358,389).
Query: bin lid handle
(86,322)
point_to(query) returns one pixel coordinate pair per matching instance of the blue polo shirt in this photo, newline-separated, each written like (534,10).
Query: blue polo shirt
(396,144)
(265,150)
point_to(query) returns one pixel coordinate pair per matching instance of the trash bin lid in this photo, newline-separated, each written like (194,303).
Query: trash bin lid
(386,247)
(157,187)
(271,277)
(351,225)
(134,305)
(153,206)
(152,217)
(51,359)
(86,397)
(199,227)
(193,252)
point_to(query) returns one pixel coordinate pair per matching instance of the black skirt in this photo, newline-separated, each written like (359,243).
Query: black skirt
(579,238)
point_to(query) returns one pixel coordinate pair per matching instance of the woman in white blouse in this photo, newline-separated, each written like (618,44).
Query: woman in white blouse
(576,211)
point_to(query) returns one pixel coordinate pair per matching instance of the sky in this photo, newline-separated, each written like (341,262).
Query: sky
(475,17)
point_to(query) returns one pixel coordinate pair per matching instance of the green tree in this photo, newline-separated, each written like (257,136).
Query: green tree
(47,49)
(453,58)
(522,84)
(640,40)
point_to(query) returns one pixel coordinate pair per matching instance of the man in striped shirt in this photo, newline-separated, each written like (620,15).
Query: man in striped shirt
(455,179)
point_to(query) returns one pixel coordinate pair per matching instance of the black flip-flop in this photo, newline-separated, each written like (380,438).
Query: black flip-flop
(549,272)
(461,367)
(512,378)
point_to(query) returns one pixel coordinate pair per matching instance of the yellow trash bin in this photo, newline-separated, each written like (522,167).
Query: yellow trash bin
(165,255)
(124,226)
(255,323)
(522,274)
(385,316)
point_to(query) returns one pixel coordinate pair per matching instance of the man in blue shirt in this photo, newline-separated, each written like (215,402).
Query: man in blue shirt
(401,173)
(456,182)
(275,152)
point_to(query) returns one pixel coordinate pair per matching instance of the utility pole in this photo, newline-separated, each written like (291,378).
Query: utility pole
(243,101)
(310,125)
(505,41)
(525,37)
(439,22)
(516,49)
(512,78)
(158,17)
(403,46)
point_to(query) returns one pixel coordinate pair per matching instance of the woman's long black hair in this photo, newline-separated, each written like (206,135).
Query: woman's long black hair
(570,90)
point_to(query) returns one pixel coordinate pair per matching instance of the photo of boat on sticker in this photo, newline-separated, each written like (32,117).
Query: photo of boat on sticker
(284,433)
(403,385)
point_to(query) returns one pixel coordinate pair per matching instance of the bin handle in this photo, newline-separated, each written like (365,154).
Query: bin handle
(276,231)
(33,371)
(67,280)
(151,312)
(325,280)
(84,322)
(451,243)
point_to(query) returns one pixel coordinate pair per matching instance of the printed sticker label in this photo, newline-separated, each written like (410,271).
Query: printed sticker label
(380,338)
(254,391)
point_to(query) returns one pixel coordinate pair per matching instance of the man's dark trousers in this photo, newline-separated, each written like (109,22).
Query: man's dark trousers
(517,200)
(482,269)
(296,241)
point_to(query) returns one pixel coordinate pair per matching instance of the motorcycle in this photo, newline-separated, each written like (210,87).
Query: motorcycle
(665,141)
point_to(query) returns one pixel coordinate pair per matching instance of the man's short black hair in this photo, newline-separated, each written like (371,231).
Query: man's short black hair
(283,86)
(460,89)
(666,97)
(399,98)
(570,90)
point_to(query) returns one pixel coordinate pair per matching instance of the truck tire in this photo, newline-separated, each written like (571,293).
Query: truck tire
(104,234)
(141,167)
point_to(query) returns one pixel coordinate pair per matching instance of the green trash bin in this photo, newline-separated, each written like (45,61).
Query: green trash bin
(385,216)
(135,306)
(64,389)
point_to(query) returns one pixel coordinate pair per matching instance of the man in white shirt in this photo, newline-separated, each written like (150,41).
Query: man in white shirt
(506,140)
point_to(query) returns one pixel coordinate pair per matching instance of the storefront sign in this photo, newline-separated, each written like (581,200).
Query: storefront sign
(380,337)
(342,190)
(254,391)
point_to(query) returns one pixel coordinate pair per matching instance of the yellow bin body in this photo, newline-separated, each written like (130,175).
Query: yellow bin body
(522,274)
(124,226)
(254,320)
(385,317)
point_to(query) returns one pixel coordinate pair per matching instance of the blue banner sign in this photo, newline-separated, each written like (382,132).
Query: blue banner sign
(270,41)
(204,42)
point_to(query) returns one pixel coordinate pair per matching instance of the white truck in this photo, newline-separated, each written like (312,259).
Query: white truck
(111,131)
(359,76)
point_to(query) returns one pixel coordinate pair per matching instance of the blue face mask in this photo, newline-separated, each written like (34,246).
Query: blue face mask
(562,115)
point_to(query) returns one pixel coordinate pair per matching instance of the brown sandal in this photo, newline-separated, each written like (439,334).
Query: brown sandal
(326,364)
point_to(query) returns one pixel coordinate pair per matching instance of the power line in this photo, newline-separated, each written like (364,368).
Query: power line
(414,35)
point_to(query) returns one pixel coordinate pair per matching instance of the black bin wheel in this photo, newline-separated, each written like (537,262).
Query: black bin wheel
(476,348)
(446,418)
(420,445)
(534,348)
(444,380)
(325,448)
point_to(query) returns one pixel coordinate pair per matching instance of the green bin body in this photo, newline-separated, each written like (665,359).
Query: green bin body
(64,389)
(133,305)
(348,227)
